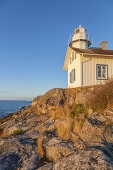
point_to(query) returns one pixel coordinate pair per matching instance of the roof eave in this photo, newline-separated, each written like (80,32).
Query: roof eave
(67,58)
(96,54)
(69,50)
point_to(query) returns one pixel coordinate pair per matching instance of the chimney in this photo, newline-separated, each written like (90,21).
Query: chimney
(103,45)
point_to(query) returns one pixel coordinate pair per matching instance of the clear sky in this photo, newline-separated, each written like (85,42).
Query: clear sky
(34,38)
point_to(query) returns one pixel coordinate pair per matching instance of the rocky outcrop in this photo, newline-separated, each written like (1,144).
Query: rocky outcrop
(88,144)
(87,159)
(56,149)
(58,97)
(9,161)
(94,129)
(19,150)
(53,97)
(90,158)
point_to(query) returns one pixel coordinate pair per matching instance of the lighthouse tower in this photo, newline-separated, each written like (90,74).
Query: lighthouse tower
(80,38)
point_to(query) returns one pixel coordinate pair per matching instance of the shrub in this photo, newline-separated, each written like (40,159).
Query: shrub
(77,127)
(57,112)
(1,132)
(29,128)
(108,129)
(18,131)
(60,112)
(101,97)
(79,114)
(70,119)
(77,110)
(64,127)
(40,145)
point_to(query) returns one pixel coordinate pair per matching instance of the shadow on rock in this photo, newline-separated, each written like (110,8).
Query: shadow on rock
(28,140)
(107,149)
(9,161)
(96,122)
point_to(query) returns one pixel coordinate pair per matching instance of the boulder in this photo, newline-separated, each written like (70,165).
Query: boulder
(84,159)
(58,97)
(53,97)
(31,162)
(55,149)
(93,128)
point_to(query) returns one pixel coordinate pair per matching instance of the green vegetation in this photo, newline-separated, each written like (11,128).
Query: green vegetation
(29,128)
(77,110)
(18,131)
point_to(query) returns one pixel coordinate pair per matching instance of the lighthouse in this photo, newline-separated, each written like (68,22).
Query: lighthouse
(80,38)
(87,66)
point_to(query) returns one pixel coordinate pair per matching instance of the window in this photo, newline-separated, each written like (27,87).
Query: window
(70,60)
(72,76)
(75,55)
(72,55)
(102,71)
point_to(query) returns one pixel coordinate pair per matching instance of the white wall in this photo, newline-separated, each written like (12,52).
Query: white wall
(79,36)
(76,64)
(89,69)
(80,39)
(80,44)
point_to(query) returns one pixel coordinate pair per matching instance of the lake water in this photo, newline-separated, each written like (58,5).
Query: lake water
(10,106)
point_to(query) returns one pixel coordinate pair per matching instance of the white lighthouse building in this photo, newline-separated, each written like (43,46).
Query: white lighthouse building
(87,66)
(80,38)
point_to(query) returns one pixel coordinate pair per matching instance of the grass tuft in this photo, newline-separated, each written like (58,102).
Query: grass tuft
(64,127)
(101,97)
(40,145)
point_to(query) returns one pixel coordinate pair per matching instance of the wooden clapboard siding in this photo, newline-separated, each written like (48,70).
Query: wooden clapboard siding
(89,69)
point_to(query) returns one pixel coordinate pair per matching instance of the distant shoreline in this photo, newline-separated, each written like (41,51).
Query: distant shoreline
(17,100)
(10,106)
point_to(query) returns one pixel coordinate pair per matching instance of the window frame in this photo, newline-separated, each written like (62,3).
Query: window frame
(101,73)
(70,60)
(73,76)
(73,57)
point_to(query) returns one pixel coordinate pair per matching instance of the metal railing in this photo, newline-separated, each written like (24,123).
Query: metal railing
(87,37)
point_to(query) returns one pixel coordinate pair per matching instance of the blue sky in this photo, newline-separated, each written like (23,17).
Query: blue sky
(34,38)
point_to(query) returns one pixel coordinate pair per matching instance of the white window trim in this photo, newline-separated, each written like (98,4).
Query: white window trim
(106,72)
(72,76)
